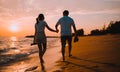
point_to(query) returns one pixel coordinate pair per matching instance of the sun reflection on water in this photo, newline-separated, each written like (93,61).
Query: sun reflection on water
(13,40)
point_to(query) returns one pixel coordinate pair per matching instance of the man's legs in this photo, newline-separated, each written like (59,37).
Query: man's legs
(69,45)
(63,43)
(63,52)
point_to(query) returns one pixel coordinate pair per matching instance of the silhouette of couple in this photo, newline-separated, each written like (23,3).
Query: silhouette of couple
(65,22)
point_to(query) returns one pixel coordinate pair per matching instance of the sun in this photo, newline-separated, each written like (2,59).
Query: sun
(14,28)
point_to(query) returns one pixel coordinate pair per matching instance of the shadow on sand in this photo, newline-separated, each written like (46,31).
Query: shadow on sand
(96,67)
(105,63)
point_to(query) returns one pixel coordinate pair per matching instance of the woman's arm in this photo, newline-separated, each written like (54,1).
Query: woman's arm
(51,28)
(34,39)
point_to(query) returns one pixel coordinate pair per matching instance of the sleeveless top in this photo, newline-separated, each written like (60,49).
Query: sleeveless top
(40,32)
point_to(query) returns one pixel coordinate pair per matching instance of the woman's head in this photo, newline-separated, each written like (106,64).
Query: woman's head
(41,17)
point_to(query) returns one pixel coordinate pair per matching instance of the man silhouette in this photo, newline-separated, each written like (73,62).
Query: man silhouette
(66,23)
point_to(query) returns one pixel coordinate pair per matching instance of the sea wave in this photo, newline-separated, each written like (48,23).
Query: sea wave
(12,51)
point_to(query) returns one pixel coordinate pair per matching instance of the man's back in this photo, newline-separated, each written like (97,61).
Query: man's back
(66,23)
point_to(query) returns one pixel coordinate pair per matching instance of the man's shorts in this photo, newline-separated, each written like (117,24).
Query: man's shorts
(66,38)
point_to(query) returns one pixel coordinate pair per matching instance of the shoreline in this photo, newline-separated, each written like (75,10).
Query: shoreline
(32,63)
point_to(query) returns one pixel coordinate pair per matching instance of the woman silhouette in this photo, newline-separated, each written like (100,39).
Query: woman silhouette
(40,37)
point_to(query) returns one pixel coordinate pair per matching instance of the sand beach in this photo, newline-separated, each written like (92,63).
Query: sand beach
(89,54)
(93,54)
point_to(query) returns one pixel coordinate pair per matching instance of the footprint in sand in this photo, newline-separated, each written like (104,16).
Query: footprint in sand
(31,68)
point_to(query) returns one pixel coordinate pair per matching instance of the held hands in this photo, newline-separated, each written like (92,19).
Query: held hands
(56,30)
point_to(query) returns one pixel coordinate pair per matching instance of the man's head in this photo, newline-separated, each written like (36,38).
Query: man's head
(65,13)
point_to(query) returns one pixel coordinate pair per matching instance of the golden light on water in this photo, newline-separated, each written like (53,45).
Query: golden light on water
(13,38)
(17,50)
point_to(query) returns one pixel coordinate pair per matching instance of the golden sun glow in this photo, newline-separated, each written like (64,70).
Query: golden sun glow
(14,28)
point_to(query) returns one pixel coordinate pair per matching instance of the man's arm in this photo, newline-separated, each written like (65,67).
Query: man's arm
(74,28)
(56,26)
(76,39)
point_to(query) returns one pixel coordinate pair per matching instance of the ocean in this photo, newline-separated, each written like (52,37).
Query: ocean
(16,53)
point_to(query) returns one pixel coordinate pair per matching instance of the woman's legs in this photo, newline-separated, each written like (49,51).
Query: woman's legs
(44,48)
(40,53)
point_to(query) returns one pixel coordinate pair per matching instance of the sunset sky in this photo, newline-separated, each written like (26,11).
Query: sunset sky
(17,17)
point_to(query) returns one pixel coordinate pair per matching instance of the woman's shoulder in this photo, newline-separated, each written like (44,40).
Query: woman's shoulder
(43,22)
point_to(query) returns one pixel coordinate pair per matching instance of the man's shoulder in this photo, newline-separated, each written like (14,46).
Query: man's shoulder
(66,17)
(70,18)
(61,18)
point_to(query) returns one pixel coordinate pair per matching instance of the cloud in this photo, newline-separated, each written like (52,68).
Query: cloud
(113,0)
(16,9)
(31,7)
(25,11)
(107,11)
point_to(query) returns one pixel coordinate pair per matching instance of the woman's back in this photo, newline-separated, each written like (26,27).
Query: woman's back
(40,26)
(40,31)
